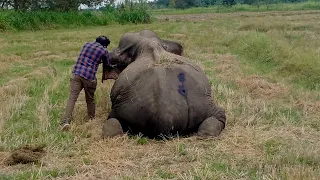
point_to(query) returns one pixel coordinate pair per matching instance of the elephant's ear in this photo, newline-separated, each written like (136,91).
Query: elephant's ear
(165,46)
(172,46)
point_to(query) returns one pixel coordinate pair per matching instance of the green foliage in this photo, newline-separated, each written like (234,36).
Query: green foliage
(182,149)
(48,20)
(229,2)
(142,140)
(272,147)
(36,20)
(257,48)
(55,5)
(130,12)
(182,4)
(36,174)
(165,175)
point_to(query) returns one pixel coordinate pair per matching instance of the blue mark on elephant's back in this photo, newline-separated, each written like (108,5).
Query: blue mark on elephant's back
(182,89)
(181,77)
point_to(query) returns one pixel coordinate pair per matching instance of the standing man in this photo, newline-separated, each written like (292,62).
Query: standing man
(84,77)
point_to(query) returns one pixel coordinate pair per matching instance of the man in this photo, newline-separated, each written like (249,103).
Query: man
(84,77)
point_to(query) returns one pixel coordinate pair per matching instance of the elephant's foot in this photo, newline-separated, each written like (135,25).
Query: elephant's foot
(111,128)
(210,127)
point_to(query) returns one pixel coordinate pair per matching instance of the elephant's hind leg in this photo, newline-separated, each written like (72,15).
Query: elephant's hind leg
(111,128)
(210,127)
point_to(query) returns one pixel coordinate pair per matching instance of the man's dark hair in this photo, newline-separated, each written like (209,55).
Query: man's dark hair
(103,40)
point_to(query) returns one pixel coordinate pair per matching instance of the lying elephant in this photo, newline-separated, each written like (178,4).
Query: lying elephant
(160,93)
(170,46)
(112,73)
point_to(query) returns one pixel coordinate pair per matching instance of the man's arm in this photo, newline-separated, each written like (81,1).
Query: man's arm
(105,60)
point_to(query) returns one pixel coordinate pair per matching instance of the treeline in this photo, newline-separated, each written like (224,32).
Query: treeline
(182,4)
(52,5)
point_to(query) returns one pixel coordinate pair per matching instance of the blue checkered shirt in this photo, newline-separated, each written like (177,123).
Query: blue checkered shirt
(90,57)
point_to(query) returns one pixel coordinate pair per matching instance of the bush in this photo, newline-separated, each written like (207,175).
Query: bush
(47,20)
(36,20)
(130,12)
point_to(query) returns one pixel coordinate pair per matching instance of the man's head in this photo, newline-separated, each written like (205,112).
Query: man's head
(103,40)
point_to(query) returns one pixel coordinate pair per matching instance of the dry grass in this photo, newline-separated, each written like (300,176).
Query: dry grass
(12,97)
(272,127)
(43,112)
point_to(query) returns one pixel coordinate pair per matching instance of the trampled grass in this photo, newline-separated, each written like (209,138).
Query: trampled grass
(263,68)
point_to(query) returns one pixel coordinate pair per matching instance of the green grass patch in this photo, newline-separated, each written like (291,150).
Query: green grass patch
(309,5)
(36,174)
(24,127)
(13,72)
(266,55)
(165,175)
(256,49)
(272,147)
(182,149)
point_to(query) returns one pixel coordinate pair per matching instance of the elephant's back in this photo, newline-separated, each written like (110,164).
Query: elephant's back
(165,98)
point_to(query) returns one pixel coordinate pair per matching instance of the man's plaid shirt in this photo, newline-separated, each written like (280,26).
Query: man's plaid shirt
(89,59)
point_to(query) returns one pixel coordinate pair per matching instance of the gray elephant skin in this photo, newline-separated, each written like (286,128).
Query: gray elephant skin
(112,73)
(160,93)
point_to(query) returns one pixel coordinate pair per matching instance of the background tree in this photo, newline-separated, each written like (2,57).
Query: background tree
(58,5)
(228,2)
(163,3)
(207,2)
(182,4)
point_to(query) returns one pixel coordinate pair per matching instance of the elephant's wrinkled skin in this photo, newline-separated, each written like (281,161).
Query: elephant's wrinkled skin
(170,46)
(112,73)
(161,93)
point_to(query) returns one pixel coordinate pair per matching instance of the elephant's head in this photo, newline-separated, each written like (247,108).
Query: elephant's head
(121,56)
(129,47)
(172,46)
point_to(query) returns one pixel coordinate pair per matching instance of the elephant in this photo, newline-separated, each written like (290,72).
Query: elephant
(112,73)
(171,46)
(160,93)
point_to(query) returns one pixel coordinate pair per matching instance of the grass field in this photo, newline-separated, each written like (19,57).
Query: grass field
(264,69)
(309,5)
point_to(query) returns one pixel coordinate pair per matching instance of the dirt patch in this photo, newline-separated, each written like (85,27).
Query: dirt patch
(260,88)
(3,157)
(25,155)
